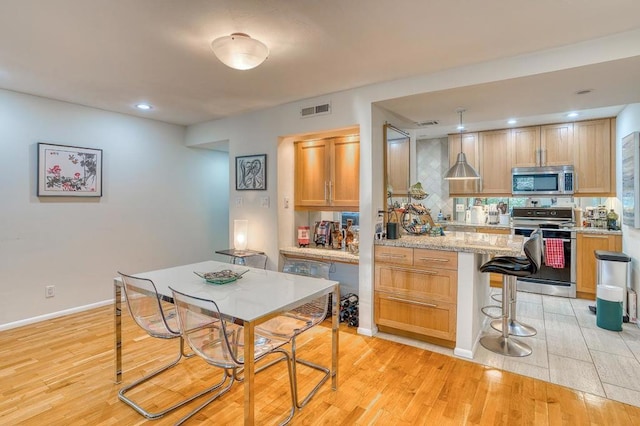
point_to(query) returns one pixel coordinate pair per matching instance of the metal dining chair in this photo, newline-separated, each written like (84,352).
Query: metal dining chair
(220,342)
(292,323)
(147,310)
(256,261)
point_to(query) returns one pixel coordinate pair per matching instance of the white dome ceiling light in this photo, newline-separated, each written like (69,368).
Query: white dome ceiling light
(239,51)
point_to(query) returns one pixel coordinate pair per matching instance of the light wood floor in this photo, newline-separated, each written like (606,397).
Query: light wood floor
(60,372)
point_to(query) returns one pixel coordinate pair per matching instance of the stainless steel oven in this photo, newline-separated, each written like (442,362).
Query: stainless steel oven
(555,223)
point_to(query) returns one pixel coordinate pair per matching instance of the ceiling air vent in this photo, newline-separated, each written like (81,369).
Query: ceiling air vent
(427,123)
(315,110)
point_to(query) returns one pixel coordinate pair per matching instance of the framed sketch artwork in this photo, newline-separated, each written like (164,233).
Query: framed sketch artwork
(631,180)
(251,172)
(69,171)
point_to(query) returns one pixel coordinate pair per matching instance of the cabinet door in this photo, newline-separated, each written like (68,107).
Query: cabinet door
(344,187)
(435,319)
(556,144)
(593,157)
(525,147)
(586,245)
(470,149)
(417,284)
(312,173)
(495,163)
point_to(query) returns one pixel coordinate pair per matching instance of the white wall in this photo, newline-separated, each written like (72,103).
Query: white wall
(161,206)
(260,132)
(628,121)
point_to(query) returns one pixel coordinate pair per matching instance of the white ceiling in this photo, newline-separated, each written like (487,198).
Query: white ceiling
(112,54)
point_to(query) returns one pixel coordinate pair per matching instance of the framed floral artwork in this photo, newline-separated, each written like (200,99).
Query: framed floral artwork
(251,172)
(69,171)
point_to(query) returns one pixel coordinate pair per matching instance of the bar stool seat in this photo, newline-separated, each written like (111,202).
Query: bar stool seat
(512,267)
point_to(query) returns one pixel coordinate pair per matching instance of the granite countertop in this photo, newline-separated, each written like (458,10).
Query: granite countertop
(590,230)
(469,242)
(454,223)
(318,253)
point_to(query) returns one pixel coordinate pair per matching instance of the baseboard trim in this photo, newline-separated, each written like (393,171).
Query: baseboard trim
(40,318)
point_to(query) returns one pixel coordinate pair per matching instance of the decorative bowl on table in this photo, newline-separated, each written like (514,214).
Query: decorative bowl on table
(220,277)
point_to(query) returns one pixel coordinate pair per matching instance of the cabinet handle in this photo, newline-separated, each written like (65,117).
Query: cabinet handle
(325,191)
(416,271)
(433,259)
(412,302)
(394,256)
(543,154)
(602,237)
(330,191)
(537,156)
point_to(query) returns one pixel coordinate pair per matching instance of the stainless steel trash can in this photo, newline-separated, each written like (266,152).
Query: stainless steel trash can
(612,268)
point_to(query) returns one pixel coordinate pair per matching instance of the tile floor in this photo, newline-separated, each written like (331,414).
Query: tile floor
(569,349)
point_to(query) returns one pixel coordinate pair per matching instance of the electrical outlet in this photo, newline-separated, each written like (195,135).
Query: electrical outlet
(459,208)
(286,202)
(50,291)
(239,201)
(264,202)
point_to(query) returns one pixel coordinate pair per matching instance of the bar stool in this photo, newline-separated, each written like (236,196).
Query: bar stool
(511,268)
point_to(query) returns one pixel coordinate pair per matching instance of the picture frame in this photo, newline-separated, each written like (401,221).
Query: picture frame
(251,172)
(69,171)
(631,180)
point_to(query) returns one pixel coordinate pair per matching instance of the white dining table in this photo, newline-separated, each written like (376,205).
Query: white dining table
(257,296)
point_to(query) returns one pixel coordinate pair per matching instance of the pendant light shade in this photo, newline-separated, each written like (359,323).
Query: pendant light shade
(461,169)
(239,51)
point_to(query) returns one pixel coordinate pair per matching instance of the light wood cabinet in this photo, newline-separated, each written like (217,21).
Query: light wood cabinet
(416,291)
(549,145)
(327,174)
(495,162)
(586,245)
(525,147)
(594,158)
(471,150)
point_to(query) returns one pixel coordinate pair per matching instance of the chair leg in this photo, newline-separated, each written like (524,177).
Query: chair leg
(503,344)
(326,373)
(151,415)
(222,391)
(516,328)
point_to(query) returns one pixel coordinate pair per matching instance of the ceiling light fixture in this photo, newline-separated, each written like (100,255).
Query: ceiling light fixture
(461,169)
(239,51)
(144,107)
(512,121)
(572,114)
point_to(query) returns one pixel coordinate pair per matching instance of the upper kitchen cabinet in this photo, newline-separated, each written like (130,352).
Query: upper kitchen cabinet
(495,162)
(327,174)
(537,146)
(471,150)
(594,157)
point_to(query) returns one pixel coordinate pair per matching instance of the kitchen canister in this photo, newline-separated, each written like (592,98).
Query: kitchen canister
(609,307)
(504,219)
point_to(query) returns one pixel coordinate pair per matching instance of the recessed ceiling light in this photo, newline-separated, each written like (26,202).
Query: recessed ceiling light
(512,121)
(572,114)
(460,127)
(144,107)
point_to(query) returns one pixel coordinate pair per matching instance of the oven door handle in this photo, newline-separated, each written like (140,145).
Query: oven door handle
(564,240)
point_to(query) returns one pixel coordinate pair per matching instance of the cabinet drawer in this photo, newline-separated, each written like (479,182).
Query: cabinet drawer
(422,284)
(395,255)
(430,319)
(435,259)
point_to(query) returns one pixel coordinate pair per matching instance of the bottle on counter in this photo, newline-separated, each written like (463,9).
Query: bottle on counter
(612,220)
(440,216)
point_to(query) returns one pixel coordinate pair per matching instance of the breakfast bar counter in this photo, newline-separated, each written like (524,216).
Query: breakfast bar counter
(432,286)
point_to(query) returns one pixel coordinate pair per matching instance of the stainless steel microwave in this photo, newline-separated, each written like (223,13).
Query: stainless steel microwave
(554,180)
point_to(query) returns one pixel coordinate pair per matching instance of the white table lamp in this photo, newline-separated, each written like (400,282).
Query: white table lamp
(240,234)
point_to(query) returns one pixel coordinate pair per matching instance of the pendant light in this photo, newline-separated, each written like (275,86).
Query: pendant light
(461,169)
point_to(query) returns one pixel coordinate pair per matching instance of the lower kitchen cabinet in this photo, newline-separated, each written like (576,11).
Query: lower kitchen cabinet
(586,245)
(416,291)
